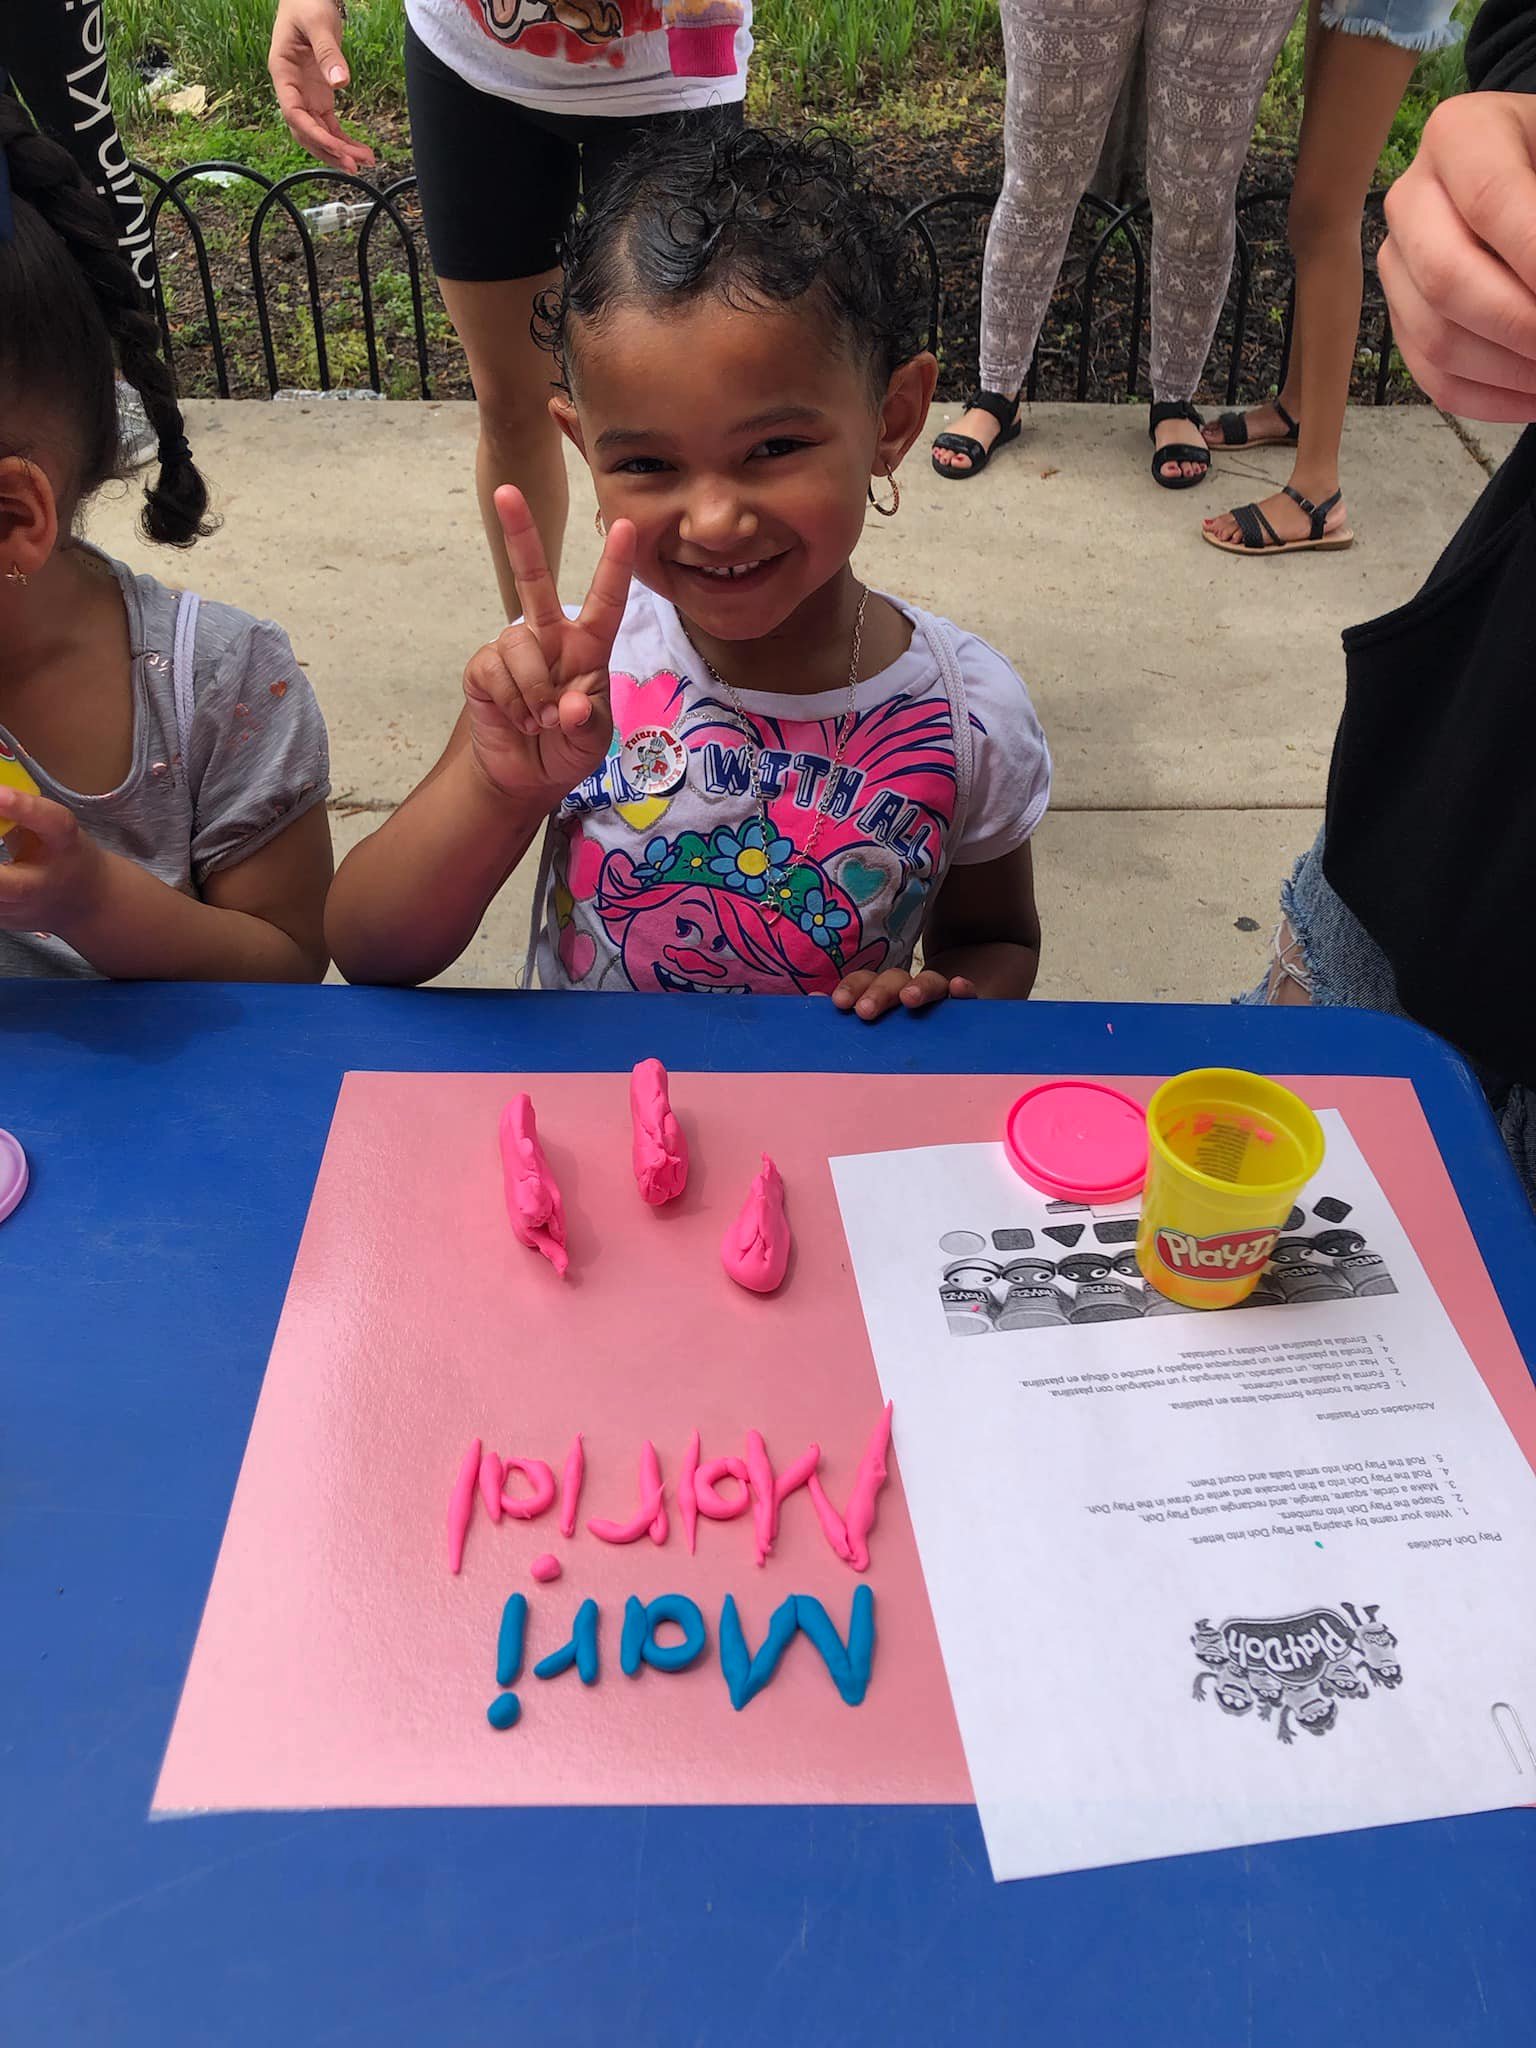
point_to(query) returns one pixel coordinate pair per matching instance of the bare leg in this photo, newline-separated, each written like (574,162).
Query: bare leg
(1355,85)
(1066,59)
(519,442)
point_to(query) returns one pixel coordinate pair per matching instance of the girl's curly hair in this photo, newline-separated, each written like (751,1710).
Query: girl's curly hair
(753,218)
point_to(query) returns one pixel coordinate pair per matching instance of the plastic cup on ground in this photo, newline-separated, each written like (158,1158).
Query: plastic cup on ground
(1227,1155)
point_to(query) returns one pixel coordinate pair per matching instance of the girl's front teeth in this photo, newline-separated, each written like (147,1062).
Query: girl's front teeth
(740,569)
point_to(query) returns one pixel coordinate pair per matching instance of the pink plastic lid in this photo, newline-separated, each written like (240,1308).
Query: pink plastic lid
(13,1174)
(1079,1141)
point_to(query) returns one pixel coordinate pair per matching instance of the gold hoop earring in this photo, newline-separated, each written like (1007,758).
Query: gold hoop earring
(887,511)
(597,521)
(15,575)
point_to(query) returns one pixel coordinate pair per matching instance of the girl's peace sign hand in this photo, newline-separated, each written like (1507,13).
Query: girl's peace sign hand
(539,717)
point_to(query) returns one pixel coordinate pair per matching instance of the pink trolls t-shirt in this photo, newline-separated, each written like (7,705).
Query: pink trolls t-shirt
(682,889)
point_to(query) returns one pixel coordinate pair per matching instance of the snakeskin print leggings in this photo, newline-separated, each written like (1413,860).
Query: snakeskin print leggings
(1207,65)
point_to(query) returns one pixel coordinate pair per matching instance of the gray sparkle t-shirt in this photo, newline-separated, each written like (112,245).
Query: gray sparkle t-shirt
(257,757)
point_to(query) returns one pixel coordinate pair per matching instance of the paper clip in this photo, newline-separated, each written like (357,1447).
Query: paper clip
(1499,1709)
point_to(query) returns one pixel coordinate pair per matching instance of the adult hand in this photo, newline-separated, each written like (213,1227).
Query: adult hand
(539,714)
(307,66)
(870,995)
(1459,263)
(55,872)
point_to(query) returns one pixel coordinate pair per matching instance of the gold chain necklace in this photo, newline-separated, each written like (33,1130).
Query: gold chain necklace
(802,855)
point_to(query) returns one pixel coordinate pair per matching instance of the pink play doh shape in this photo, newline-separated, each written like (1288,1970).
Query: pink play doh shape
(528,1507)
(461,1504)
(545,1568)
(871,1476)
(534,1208)
(687,1498)
(570,1485)
(793,1477)
(652,1507)
(651,1486)
(660,1149)
(710,1474)
(765,1514)
(755,1249)
(490,1484)
(831,1521)
(1081,1141)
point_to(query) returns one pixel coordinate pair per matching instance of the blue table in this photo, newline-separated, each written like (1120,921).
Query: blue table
(174,1135)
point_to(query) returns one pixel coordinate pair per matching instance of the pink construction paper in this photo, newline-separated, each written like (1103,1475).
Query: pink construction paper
(339,1663)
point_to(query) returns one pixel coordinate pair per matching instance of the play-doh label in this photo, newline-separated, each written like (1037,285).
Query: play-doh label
(1296,1670)
(1231,1255)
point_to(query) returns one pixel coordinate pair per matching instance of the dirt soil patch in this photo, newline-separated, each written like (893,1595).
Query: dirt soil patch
(916,167)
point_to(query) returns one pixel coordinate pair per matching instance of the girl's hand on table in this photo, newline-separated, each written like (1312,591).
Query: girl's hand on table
(56,872)
(539,714)
(870,995)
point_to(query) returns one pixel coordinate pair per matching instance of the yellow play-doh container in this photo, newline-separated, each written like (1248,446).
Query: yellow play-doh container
(1227,1155)
(12,776)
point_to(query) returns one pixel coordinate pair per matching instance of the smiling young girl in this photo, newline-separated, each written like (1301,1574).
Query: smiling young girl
(761,776)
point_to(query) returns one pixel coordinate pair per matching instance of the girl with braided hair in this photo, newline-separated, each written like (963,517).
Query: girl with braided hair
(163,764)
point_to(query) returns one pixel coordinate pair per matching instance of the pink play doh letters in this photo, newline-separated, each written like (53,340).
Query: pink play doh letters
(755,1488)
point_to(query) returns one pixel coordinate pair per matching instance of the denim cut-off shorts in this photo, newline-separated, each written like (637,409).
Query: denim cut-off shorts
(1411,24)
(1340,964)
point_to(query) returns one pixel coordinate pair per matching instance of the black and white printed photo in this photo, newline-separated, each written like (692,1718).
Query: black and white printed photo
(1081,1268)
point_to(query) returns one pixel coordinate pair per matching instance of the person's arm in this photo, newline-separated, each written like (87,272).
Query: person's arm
(982,938)
(1459,262)
(306,66)
(536,722)
(408,899)
(259,919)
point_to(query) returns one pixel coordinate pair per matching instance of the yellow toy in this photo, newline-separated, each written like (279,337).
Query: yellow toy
(1227,1155)
(13,776)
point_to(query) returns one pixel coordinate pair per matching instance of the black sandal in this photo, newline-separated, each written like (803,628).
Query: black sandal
(1260,538)
(1235,434)
(1177,451)
(1004,410)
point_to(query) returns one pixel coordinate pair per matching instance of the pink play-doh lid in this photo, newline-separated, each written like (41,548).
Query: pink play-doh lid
(13,1174)
(1079,1141)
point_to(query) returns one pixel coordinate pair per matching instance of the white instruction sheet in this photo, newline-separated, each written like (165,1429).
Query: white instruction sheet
(1200,1579)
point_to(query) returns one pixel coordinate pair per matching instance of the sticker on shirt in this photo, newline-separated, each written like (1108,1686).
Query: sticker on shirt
(654,760)
(537,23)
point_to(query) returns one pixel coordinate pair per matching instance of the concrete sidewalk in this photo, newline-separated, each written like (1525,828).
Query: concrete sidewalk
(1190,698)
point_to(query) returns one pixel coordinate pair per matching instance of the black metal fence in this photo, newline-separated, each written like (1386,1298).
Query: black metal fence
(1110,239)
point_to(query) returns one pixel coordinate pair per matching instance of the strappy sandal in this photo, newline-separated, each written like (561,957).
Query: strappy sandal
(1177,451)
(1235,434)
(1260,538)
(1004,410)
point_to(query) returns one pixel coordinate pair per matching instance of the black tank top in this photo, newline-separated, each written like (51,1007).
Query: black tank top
(1431,836)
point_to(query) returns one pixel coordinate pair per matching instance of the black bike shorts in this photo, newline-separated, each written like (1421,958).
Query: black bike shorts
(499,181)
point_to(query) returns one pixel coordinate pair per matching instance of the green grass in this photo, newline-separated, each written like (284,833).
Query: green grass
(222,44)
(814,52)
